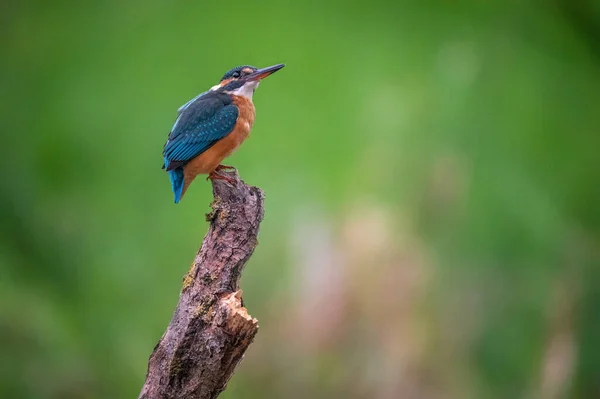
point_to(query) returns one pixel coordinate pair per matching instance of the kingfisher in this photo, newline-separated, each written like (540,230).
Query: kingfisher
(211,126)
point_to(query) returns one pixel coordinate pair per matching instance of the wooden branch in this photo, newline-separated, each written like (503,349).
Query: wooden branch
(210,329)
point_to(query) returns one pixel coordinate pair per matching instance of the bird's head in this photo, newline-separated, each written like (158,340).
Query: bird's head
(243,80)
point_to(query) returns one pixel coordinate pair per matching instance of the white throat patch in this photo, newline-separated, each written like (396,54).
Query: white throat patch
(246,90)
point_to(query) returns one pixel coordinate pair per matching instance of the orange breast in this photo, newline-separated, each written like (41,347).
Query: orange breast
(211,158)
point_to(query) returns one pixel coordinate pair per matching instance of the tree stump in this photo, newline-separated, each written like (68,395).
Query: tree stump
(210,329)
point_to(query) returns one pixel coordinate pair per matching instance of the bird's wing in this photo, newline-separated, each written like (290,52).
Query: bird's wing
(184,106)
(199,126)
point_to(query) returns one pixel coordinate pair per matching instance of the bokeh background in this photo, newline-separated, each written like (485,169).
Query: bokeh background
(432,175)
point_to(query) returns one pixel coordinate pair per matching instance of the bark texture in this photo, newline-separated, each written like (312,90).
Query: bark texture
(210,329)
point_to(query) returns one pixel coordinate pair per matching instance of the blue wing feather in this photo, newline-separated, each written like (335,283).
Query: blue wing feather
(201,123)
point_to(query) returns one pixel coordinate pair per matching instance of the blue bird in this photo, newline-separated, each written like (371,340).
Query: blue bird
(211,126)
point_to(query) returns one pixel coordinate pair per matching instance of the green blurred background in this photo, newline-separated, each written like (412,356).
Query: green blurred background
(432,175)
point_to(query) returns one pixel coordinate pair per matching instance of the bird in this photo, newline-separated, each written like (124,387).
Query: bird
(210,126)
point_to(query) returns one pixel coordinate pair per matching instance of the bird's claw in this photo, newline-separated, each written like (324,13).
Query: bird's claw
(225,167)
(217,176)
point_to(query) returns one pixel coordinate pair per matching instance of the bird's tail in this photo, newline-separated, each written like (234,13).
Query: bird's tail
(176,177)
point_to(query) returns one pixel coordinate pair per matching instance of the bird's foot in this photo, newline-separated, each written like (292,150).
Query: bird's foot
(225,167)
(217,176)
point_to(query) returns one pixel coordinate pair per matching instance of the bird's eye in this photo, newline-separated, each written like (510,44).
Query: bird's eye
(236,74)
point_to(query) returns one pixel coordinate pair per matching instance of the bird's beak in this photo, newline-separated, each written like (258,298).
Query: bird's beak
(264,72)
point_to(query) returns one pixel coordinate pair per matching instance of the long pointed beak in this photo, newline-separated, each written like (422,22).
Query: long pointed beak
(264,72)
